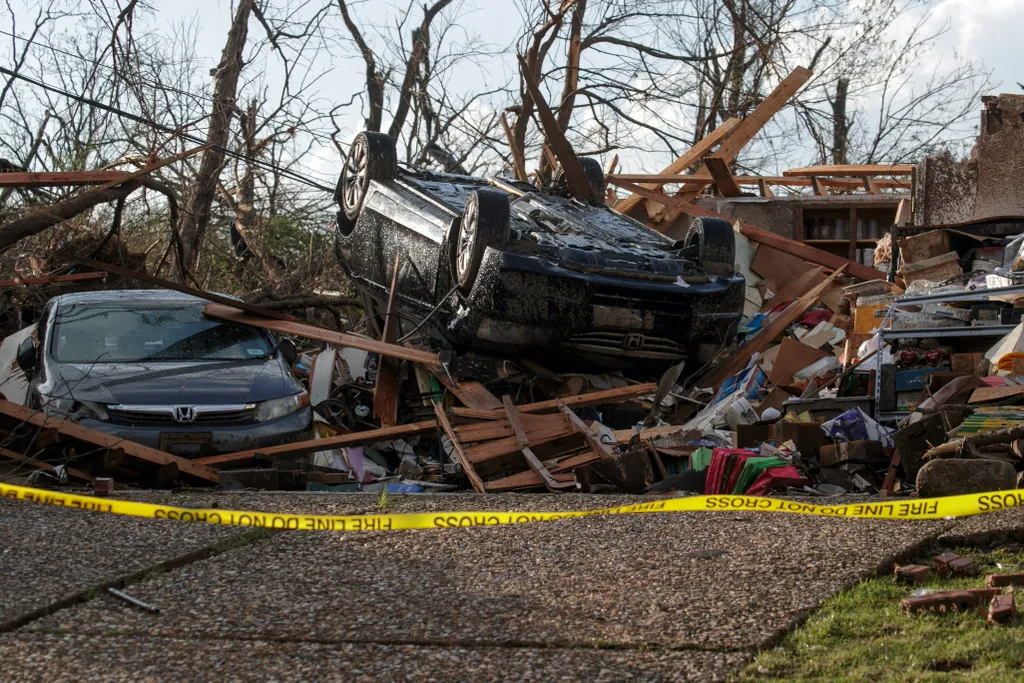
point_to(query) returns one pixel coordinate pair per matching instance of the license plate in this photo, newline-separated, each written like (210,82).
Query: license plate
(187,444)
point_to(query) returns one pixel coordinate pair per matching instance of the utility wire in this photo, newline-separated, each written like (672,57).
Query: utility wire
(287,173)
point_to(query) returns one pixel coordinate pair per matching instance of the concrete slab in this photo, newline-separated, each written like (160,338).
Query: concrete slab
(48,658)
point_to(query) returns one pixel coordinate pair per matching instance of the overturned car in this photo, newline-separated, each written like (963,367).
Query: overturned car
(501,265)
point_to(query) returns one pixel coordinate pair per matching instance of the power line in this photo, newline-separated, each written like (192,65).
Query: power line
(287,173)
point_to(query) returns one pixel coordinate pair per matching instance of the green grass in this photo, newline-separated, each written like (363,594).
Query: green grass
(861,635)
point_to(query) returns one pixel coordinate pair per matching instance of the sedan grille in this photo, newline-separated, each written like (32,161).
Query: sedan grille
(140,418)
(628,344)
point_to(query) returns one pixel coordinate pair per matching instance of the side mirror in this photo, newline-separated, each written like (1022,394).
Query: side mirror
(288,350)
(27,354)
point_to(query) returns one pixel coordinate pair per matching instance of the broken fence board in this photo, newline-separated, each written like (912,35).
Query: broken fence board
(73,430)
(524,445)
(473,394)
(307,331)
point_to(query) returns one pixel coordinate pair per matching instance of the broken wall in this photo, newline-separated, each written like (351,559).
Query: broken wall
(988,185)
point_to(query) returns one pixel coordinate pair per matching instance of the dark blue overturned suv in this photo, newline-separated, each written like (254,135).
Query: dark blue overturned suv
(148,366)
(503,264)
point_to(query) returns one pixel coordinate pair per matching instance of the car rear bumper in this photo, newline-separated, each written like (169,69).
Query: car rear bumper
(524,300)
(213,439)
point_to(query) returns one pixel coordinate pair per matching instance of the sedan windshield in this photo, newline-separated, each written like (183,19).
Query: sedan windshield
(109,333)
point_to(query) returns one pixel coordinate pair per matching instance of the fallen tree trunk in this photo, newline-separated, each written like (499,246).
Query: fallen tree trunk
(35,220)
(968,446)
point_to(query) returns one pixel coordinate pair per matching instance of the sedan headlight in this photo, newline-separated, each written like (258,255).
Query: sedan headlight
(71,409)
(279,407)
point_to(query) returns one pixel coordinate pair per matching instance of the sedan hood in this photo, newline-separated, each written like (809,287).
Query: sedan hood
(169,383)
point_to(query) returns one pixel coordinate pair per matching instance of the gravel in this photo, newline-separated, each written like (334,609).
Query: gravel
(636,580)
(48,658)
(48,553)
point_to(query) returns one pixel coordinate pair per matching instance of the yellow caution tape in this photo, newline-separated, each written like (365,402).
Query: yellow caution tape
(931,508)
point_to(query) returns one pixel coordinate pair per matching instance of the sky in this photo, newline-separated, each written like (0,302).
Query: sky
(983,30)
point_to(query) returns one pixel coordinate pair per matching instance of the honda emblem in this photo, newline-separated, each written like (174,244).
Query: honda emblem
(185,414)
(633,342)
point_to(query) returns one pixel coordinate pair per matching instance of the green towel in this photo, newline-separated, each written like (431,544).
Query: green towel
(752,469)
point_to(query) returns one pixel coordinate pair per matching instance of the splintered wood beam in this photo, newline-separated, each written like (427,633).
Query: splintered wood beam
(61,178)
(764,189)
(524,446)
(852,170)
(600,449)
(612,163)
(385,390)
(706,178)
(661,198)
(102,440)
(307,331)
(518,163)
(870,186)
(572,169)
(746,131)
(766,335)
(684,161)
(809,253)
(724,181)
(51,280)
(594,398)
(818,187)
(313,445)
(467,466)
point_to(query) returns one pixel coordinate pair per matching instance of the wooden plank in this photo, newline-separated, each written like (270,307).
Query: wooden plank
(491,450)
(764,190)
(760,341)
(795,288)
(818,187)
(167,284)
(809,253)
(746,131)
(707,178)
(855,170)
(724,181)
(51,280)
(524,445)
(307,331)
(73,430)
(385,390)
(660,198)
(890,474)
(473,394)
(572,169)
(530,478)
(501,429)
(599,449)
(314,445)
(870,186)
(61,178)
(518,163)
(683,162)
(45,466)
(467,466)
(592,399)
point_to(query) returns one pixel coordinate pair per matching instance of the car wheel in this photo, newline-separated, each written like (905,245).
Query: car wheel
(595,174)
(485,223)
(372,156)
(712,242)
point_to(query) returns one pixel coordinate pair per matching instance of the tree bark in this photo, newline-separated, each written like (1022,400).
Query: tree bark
(840,128)
(196,216)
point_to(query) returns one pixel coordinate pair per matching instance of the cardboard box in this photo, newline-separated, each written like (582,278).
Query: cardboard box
(966,362)
(792,357)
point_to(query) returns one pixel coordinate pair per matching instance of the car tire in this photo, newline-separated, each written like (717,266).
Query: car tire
(485,223)
(713,243)
(595,174)
(372,156)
